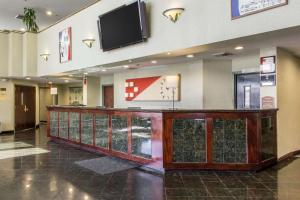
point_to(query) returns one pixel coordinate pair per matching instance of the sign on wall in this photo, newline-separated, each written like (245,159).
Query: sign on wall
(65,45)
(240,8)
(157,88)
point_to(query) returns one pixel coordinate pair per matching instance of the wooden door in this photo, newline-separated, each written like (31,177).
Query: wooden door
(108,96)
(24,107)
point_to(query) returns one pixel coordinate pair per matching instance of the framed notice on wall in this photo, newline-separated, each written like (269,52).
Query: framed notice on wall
(268,65)
(241,8)
(65,45)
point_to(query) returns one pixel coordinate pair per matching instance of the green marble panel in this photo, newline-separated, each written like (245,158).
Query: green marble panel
(268,138)
(229,141)
(120,133)
(87,128)
(141,137)
(101,130)
(189,140)
(53,123)
(74,132)
(63,125)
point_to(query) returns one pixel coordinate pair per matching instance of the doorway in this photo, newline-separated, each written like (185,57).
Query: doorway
(108,96)
(247,91)
(24,107)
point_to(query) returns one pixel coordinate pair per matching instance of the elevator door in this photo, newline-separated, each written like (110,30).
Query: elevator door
(247,91)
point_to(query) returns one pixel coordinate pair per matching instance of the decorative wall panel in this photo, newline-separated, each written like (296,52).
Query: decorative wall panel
(87,128)
(189,140)
(229,141)
(120,133)
(63,125)
(268,138)
(74,132)
(101,130)
(141,137)
(53,123)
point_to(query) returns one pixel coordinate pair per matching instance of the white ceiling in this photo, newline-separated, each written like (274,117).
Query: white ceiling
(60,8)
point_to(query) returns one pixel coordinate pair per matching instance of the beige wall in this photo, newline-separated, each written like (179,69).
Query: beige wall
(3,54)
(288,91)
(45,100)
(218,84)
(7,111)
(15,56)
(29,54)
(7,107)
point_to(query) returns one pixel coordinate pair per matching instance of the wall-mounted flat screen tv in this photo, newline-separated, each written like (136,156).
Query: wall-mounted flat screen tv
(123,26)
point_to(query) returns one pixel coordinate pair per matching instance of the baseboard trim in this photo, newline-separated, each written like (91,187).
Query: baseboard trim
(289,155)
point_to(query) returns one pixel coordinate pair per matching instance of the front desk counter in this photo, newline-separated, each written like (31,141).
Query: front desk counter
(162,140)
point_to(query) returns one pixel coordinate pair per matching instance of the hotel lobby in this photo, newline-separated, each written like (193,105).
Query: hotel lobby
(149,99)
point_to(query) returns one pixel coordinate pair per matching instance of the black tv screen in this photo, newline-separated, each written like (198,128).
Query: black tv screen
(123,26)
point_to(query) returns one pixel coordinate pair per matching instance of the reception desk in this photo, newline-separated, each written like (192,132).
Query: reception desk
(171,139)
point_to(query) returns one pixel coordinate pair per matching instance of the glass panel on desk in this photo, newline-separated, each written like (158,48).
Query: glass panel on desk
(87,128)
(54,123)
(189,141)
(63,125)
(120,133)
(268,138)
(229,141)
(74,132)
(101,130)
(141,137)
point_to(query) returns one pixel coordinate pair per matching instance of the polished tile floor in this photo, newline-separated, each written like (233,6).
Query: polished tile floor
(32,168)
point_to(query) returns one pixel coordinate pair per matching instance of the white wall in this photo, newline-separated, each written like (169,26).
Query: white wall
(246,63)
(218,84)
(29,54)
(203,22)
(191,86)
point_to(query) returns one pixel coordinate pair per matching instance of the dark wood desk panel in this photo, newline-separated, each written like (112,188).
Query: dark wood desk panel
(171,139)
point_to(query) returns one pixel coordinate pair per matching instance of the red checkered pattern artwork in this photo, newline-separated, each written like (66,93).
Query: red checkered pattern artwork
(149,89)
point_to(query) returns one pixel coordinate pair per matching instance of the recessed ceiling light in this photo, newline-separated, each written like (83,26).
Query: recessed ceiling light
(50,82)
(153,61)
(190,56)
(28,78)
(66,81)
(169,53)
(85,73)
(70,75)
(239,48)
(126,66)
(104,70)
(130,61)
(23,29)
(49,13)
(4,80)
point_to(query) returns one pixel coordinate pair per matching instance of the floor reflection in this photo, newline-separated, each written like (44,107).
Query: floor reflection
(54,175)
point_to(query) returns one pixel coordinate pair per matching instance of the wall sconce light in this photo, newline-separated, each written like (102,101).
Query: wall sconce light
(173,14)
(88,42)
(45,56)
